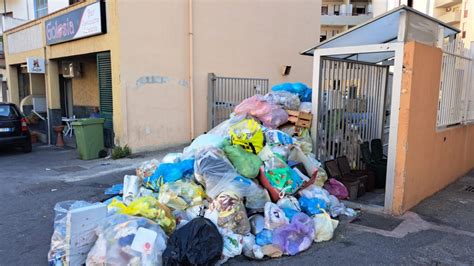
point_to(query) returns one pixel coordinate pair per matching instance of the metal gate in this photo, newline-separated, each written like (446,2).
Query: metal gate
(227,92)
(350,108)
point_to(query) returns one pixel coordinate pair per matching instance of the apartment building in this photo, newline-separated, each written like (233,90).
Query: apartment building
(146,64)
(340,15)
(458,13)
(16,12)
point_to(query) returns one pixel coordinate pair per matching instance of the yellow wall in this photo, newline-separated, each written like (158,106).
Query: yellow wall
(154,73)
(253,39)
(427,159)
(85,90)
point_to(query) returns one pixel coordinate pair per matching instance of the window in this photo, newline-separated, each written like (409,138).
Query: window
(359,10)
(336,10)
(74,1)
(324,10)
(410,3)
(8,112)
(322,38)
(41,8)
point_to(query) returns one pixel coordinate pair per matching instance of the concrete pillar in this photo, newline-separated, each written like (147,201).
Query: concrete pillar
(12,81)
(53,97)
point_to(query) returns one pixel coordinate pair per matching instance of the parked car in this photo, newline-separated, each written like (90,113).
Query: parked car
(14,129)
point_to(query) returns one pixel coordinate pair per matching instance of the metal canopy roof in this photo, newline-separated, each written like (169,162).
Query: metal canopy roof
(379,30)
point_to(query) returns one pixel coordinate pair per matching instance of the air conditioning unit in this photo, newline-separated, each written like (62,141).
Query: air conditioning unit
(71,69)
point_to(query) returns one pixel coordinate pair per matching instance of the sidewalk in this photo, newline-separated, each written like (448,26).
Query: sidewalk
(49,163)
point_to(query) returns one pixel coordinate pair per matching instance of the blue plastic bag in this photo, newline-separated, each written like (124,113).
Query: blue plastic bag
(114,189)
(312,206)
(265,237)
(169,172)
(303,91)
(289,213)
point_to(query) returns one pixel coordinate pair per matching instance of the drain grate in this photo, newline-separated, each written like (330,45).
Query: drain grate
(469,189)
(386,223)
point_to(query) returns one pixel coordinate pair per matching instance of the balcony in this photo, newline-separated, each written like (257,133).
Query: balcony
(7,23)
(451,17)
(350,20)
(446,3)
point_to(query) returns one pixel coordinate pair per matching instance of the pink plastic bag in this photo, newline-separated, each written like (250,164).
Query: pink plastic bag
(271,115)
(275,118)
(336,189)
(296,236)
(255,106)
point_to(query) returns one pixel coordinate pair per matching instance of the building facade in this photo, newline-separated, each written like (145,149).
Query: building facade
(339,15)
(145,63)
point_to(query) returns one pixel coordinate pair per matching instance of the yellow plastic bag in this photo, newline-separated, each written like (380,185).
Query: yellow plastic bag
(181,194)
(324,226)
(248,134)
(150,208)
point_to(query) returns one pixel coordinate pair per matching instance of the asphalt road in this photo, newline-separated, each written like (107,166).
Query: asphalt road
(27,224)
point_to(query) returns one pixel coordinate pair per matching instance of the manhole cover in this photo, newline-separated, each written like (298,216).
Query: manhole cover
(68,169)
(469,189)
(386,223)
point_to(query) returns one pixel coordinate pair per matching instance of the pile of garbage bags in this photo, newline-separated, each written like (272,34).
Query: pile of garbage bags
(249,186)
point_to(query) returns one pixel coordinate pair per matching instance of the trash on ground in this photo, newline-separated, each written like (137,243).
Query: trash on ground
(251,186)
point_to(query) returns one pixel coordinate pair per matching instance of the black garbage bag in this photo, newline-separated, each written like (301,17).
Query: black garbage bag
(196,243)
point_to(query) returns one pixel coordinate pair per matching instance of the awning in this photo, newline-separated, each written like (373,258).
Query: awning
(379,30)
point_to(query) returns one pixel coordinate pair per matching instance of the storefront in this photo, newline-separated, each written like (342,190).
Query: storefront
(75,77)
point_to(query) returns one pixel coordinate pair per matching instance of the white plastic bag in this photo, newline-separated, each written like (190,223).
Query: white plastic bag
(324,227)
(172,158)
(274,216)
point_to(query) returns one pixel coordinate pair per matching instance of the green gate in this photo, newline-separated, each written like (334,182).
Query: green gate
(104,74)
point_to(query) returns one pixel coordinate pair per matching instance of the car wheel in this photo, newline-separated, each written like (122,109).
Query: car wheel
(27,147)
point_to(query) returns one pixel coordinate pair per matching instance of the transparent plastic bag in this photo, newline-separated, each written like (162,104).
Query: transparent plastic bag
(181,194)
(286,99)
(216,173)
(278,137)
(131,184)
(147,168)
(150,208)
(295,237)
(202,142)
(223,128)
(169,172)
(211,163)
(306,107)
(337,208)
(128,240)
(231,213)
(59,240)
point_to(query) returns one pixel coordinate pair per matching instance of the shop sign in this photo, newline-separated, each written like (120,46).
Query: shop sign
(79,23)
(35,65)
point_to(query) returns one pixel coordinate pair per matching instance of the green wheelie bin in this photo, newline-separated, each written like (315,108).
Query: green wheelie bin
(89,137)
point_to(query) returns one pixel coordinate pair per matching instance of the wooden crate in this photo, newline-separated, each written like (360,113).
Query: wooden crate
(300,119)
